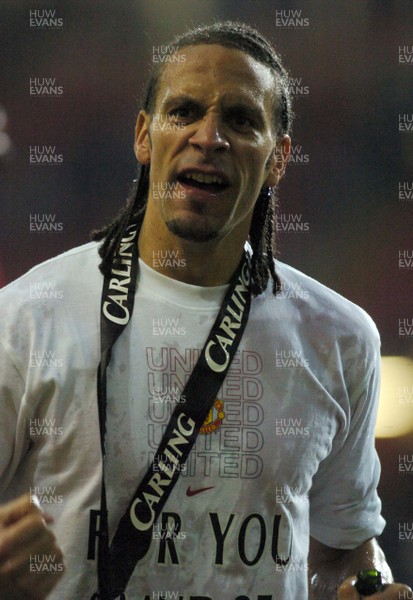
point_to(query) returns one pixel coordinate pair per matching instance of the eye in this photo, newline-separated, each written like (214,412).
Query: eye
(182,113)
(242,121)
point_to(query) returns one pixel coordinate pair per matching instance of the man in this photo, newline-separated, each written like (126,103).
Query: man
(283,469)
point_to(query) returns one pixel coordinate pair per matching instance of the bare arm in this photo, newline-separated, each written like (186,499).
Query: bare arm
(26,540)
(329,567)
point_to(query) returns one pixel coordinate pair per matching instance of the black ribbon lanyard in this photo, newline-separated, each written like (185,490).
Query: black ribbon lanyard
(132,538)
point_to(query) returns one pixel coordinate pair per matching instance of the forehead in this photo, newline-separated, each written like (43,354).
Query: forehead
(211,69)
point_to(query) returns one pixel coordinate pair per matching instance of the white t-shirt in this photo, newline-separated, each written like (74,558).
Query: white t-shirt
(287,451)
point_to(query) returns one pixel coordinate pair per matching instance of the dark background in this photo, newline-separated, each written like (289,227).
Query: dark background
(347,126)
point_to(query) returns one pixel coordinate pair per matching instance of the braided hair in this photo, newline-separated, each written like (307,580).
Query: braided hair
(262,230)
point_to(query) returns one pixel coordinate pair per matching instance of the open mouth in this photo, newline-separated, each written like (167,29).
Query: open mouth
(203,181)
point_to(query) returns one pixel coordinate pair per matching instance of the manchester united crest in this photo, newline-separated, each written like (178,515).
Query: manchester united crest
(214,418)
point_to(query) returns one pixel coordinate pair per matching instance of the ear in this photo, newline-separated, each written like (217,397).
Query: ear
(279,160)
(142,145)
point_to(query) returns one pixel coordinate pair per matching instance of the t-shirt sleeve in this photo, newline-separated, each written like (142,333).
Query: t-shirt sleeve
(344,505)
(13,441)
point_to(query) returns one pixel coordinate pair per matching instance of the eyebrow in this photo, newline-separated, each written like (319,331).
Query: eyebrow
(238,106)
(180,99)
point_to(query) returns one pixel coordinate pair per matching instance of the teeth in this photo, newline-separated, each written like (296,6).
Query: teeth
(204,178)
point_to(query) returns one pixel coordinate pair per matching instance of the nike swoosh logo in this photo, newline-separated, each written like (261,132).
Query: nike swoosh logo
(190,492)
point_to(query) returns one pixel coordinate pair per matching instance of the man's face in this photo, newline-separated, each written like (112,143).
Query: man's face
(210,142)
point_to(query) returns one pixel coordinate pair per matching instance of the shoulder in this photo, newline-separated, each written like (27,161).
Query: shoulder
(60,266)
(55,286)
(75,265)
(318,311)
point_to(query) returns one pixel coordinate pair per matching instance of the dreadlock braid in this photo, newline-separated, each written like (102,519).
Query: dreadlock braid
(262,231)
(133,211)
(262,242)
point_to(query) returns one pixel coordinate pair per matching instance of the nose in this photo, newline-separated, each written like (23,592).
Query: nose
(208,136)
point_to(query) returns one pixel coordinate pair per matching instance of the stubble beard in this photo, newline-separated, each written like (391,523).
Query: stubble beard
(189,233)
(183,228)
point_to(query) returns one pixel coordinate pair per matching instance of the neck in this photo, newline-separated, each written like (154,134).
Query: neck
(204,264)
